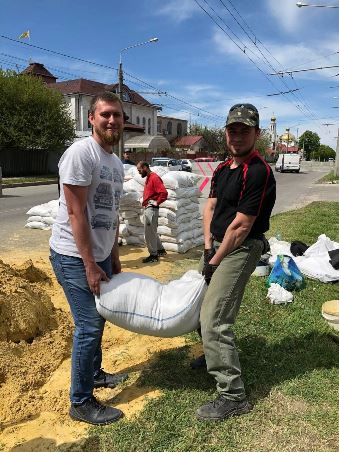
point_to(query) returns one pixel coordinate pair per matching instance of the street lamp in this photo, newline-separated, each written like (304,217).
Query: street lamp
(121,82)
(301,4)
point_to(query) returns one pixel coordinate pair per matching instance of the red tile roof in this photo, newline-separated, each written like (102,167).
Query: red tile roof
(188,140)
(40,70)
(92,88)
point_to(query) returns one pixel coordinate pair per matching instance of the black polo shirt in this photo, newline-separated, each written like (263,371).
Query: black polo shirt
(250,189)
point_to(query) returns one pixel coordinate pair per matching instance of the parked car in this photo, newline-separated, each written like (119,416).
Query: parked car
(288,162)
(331,160)
(204,159)
(165,161)
(186,165)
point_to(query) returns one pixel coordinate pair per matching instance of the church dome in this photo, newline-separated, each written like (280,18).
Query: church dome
(287,136)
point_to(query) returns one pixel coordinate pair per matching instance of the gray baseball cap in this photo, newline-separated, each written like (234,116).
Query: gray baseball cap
(244,113)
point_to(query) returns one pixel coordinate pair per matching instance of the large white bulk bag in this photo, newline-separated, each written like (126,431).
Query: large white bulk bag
(143,305)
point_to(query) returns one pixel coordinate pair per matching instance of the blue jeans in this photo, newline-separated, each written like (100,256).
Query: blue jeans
(89,325)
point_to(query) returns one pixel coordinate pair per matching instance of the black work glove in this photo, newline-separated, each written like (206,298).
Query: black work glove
(208,254)
(208,271)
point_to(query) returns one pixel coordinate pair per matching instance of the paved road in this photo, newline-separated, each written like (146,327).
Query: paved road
(13,207)
(293,191)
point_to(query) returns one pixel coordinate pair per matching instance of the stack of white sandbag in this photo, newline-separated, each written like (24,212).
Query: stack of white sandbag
(180,225)
(42,216)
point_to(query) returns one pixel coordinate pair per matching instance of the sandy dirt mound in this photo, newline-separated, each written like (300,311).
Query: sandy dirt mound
(35,366)
(34,338)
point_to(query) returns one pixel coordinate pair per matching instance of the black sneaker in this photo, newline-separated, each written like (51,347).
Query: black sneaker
(222,408)
(93,412)
(105,380)
(150,258)
(199,363)
(162,252)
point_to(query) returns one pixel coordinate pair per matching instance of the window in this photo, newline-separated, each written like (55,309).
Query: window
(159,126)
(149,126)
(169,128)
(138,120)
(144,122)
(179,129)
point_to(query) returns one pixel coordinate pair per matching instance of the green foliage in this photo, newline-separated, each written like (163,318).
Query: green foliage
(214,137)
(324,153)
(290,367)
(310,142)
(32,115)
(263,142)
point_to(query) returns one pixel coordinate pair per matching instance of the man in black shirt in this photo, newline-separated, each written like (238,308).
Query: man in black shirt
(236,215)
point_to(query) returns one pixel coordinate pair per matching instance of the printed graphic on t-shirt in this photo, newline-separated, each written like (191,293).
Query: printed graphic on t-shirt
(117,176)
(101,220)
(117,199)
(103,197)
(106,173)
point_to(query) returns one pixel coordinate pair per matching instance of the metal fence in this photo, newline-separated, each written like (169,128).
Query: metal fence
(28,162)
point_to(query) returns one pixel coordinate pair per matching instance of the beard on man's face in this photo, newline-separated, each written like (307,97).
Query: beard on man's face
(108,137)
(242,153)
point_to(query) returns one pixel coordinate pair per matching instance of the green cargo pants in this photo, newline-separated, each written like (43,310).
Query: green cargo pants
(218,313)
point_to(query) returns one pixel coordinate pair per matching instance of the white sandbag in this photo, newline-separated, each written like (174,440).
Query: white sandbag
(178,247)
(123,231)
(175,205)
(177,179)
(34,218)
(167,213)
(37,225)
(135,240)
(133,185)
(130,198)
(190,192)
(42,210)
(143,305)
(133,213)
(48,220)
(135,230)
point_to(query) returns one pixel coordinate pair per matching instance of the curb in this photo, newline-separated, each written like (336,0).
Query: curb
(28,184)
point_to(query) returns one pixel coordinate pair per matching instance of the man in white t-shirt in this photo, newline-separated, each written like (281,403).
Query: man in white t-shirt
(84,249)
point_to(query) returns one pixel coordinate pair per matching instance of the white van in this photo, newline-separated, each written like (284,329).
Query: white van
(288,162)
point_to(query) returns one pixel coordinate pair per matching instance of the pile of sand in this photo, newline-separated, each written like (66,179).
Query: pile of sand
(35,337)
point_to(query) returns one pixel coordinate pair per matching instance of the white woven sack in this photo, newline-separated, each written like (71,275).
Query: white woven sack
(177,179)
(143,305)
(178,247)
(42,210)
(37,225)
(133,185)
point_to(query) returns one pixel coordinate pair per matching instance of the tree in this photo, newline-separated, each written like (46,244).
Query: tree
(310,142)
(32,115)
(324,153)
(263,142)
(214,137)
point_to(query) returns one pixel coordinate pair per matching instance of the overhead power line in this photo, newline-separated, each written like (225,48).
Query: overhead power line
(183,101)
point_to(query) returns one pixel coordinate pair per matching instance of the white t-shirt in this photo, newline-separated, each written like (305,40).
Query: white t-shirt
(86,163)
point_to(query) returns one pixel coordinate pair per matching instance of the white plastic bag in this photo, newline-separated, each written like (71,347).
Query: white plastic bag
(143,305)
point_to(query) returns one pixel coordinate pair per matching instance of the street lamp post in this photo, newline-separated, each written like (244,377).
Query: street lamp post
(121,82)
(301,4)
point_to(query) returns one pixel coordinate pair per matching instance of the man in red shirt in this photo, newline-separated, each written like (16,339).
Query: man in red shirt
(155,193)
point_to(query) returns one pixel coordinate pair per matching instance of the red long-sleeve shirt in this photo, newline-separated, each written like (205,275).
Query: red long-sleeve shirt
(154,189)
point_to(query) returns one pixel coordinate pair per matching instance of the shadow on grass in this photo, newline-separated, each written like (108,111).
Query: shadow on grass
(264,364)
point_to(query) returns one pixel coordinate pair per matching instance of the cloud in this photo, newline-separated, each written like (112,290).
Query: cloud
(178,10)
(286,13)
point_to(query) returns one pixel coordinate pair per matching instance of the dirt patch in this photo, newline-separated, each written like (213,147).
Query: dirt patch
(35,347)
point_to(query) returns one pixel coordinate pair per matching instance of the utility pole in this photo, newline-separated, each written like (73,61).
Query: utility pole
(336,163)
(121,83)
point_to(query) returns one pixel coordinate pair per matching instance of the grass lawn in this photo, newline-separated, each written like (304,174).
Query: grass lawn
(15,180)
(290,368)
(329,178)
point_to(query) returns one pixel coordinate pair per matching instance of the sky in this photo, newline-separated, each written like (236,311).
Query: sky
(210,54)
